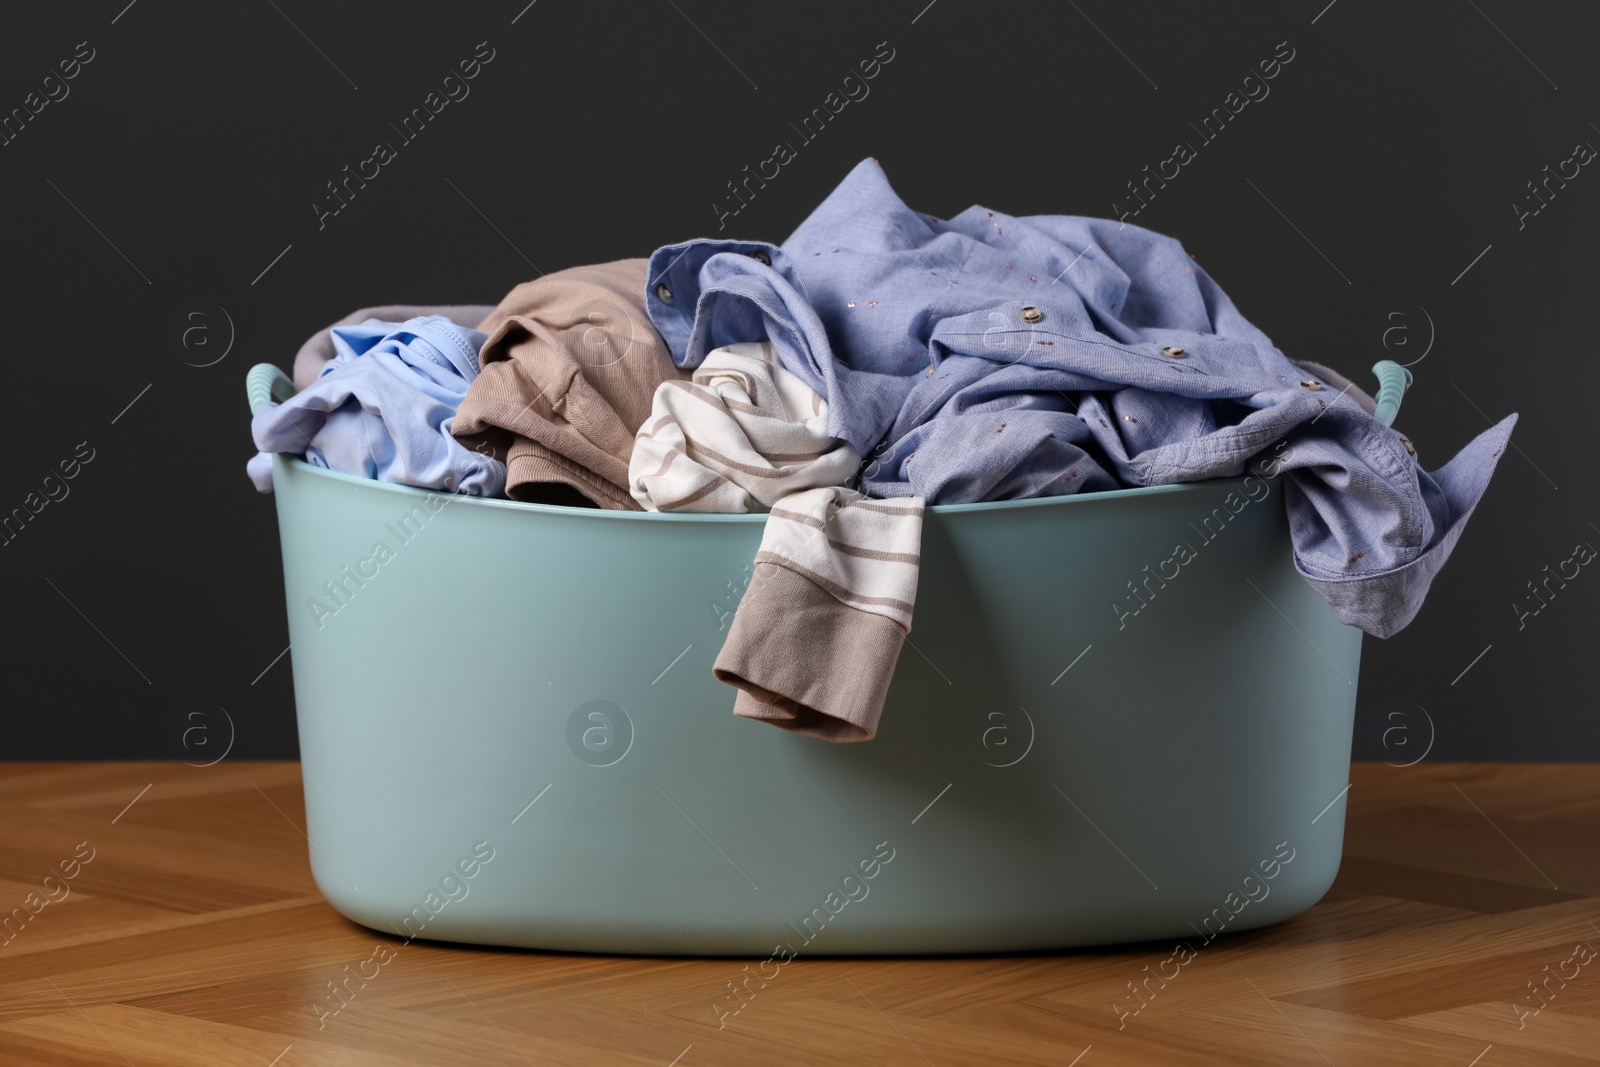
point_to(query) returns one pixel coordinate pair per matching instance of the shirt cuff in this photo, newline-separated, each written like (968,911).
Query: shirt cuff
(805,662)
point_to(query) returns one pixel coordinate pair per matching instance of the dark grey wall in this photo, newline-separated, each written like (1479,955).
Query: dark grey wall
(1379,178)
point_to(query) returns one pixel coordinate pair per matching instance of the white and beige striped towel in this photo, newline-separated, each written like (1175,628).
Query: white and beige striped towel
(819,629)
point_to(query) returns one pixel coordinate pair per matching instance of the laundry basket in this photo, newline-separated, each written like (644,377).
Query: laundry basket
(511,735)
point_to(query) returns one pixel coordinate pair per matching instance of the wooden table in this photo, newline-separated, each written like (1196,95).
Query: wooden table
(190,933)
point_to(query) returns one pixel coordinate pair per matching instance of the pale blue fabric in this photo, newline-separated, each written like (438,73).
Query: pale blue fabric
(382,409)
(989,357)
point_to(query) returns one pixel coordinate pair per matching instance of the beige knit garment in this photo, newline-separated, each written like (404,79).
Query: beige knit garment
(569,371)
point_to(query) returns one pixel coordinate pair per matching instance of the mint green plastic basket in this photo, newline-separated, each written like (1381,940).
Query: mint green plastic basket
(511,735)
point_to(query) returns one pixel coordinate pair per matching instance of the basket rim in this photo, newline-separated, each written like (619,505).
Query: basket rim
(282,461)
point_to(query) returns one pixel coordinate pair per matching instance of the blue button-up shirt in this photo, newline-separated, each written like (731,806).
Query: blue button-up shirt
(988,357)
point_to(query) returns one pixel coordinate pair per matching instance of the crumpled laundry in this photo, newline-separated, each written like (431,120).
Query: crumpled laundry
(880,359)
(318,351)
(740,436)
(991,357)
(382,409)
(569,370)
(819,629)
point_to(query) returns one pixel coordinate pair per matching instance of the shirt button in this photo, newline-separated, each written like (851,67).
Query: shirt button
(1311,385)
(1032,314)
(1405,443)
(1175,353)
(761,258)
(663,294)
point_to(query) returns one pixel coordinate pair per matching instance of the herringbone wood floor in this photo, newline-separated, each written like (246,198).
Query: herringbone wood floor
(194,936)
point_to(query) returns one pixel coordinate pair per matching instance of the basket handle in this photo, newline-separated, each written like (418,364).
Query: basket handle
(264,383)
(1393,381)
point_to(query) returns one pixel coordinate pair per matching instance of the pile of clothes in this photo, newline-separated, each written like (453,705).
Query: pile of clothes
(877,361)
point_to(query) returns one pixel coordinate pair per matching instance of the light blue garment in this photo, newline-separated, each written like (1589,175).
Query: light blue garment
(382,409)
(989,357)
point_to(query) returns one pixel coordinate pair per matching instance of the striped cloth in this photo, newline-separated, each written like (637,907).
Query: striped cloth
(862,551)
(741,435)
(819,629)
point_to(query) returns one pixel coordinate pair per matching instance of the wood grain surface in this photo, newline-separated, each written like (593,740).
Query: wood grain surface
(169,918)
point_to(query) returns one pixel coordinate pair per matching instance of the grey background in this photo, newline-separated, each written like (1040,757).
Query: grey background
(1384,163)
